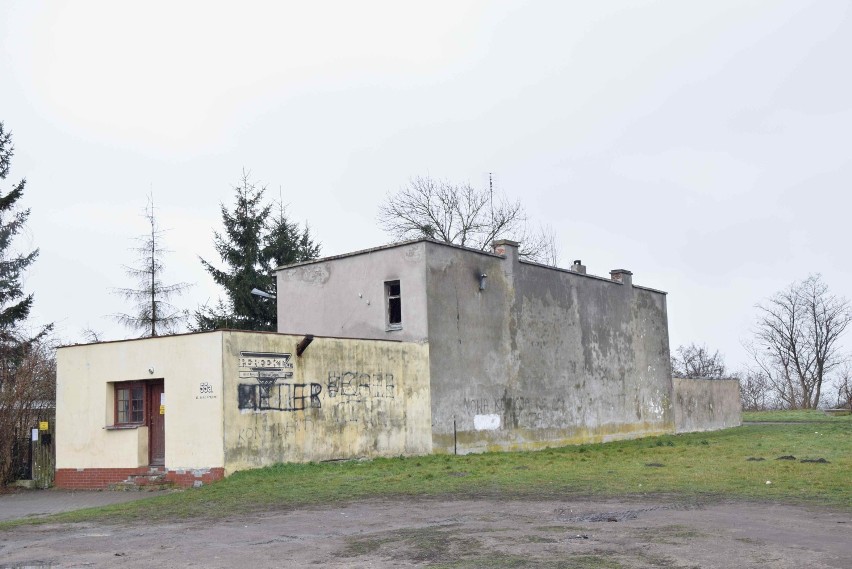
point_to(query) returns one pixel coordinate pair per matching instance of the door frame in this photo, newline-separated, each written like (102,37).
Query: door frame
(154,411)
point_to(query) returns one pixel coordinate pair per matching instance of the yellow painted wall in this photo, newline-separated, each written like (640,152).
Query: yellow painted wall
(84,409)
(346,399)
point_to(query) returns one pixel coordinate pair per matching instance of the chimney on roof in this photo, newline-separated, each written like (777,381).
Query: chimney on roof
(579,267)
(506,248)
(622,276)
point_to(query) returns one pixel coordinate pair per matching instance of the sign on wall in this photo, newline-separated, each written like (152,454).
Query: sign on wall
(205,391)
(259,388)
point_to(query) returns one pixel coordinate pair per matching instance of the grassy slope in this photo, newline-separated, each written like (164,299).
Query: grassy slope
(805,415)
(691,466)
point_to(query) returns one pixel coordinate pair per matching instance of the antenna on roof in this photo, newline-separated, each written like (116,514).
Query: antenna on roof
(491,196)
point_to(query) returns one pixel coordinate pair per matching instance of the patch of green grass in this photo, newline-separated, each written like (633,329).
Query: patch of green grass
(427,544)
(363,546)
(672,534)
(561,529)
(504,561)
(694,466)
(797,416)
(538,539)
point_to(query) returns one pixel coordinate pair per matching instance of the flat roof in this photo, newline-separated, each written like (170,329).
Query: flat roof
(453,246)
(386,247)
(316,336)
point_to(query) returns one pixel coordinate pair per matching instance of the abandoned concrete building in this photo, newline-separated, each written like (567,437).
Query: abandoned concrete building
(412,348)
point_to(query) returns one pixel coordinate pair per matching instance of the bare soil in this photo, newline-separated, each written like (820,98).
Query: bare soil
(542,534)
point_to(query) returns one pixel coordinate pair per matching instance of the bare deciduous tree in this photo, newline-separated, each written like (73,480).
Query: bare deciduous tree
(796,343)
(755,392)
(843,383)
(26,398)
(463,215)
(697,362)
(154,313)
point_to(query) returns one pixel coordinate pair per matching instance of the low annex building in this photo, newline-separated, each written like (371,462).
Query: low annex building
(413,348)
(193,408)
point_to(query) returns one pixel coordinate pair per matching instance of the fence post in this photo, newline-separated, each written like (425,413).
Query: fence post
(43,458)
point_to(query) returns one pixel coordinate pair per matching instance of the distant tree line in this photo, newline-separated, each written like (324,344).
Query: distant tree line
(798,361)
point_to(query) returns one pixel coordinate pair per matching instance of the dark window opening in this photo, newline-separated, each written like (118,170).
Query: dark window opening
(129,403)
(394,316)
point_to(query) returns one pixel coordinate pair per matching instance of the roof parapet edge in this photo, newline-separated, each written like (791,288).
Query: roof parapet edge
(232,330)
(388,246)
(588,276)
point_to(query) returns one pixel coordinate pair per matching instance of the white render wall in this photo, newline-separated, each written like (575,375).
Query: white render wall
(85,410)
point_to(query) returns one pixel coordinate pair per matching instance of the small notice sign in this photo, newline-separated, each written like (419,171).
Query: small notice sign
(162,409)
(43,425)
(35,434)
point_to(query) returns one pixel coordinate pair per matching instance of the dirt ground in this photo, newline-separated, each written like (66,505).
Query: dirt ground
(458,534)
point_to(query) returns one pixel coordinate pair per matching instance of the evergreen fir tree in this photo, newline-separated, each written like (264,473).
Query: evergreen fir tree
(285,243)
(254,242)
(15,305)
(154,314)
(25,359)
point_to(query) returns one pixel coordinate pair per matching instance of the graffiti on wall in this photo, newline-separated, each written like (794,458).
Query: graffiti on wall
(264,386)
(279,396)
(356,386)
(263,370)
(345,399)
(360,397)
(264,432)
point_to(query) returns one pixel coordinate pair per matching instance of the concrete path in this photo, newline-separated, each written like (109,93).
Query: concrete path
(34,503)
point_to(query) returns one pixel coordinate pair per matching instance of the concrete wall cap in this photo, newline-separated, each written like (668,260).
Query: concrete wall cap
(223,330)
(383,248)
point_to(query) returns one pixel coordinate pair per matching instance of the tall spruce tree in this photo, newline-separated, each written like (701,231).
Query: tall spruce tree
(154,314)
(15,305)
(23,386)
(257,238)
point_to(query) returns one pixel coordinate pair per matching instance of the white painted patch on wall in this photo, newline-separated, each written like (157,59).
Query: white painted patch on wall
(486,422)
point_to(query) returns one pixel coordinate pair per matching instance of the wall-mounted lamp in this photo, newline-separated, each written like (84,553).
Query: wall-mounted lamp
(482,278)
(151,370)
(303,344)
(262,293)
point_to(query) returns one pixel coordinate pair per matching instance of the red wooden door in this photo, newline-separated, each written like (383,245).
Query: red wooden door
(156,425)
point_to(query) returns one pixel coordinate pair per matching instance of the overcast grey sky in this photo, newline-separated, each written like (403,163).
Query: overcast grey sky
(703,145)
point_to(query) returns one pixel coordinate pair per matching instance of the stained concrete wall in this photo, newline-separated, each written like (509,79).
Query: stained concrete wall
(343,399)
(345,296)
(706,404)
(85,377)
(541,357)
